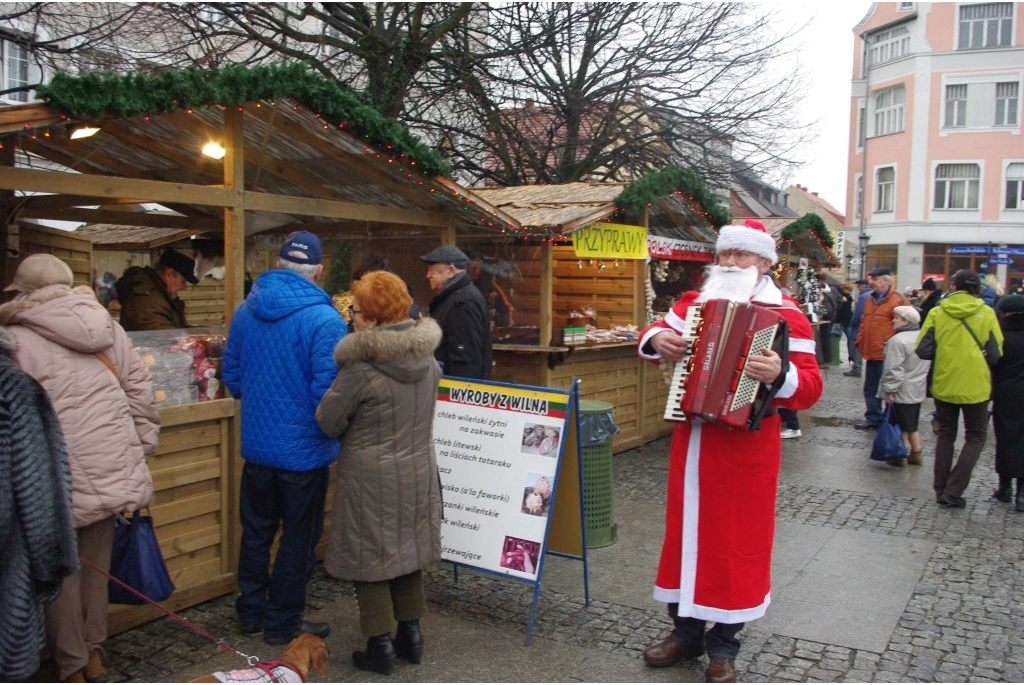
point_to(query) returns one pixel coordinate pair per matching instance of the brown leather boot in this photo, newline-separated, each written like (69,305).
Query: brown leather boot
(671,651)
(95,671)
(720,670)
(915,458)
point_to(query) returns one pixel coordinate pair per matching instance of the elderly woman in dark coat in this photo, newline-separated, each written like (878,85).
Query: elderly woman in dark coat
(1007,389)
(386,518)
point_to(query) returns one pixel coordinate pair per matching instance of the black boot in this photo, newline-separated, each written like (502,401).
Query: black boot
(1019,504)
(379,655)
(409,641)
(1004,493)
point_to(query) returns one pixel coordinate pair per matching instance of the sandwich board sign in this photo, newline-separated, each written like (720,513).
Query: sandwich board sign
(502,461)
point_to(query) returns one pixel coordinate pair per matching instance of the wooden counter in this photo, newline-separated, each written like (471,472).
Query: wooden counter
(608,372)
(195,476)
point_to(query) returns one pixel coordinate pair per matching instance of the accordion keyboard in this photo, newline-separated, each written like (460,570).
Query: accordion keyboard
(746,389)
(681,369)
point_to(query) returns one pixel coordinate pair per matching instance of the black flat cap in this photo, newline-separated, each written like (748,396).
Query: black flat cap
(447,254)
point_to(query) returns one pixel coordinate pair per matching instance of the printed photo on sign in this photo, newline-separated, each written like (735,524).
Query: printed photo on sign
(536,494)
(520,555)
(540,439)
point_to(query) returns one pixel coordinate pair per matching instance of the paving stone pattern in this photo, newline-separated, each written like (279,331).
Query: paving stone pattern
(964,621)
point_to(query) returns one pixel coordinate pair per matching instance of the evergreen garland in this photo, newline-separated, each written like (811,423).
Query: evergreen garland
(94,96)
(645,190)
(812,223)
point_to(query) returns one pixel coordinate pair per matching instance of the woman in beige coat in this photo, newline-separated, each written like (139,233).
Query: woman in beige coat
(103,396)
(386,517)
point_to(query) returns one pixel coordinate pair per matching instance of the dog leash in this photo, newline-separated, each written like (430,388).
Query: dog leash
(252,660)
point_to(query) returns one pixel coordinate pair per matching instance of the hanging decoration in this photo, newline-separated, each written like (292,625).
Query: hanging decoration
(809,293)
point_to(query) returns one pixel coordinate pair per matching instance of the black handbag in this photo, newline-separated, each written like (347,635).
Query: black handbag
(137,562)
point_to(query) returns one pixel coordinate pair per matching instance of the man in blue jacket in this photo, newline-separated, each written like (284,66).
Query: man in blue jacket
(279,361)
(854,326)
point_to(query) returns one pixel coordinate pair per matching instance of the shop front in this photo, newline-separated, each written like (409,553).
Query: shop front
(285,165)
(590,270)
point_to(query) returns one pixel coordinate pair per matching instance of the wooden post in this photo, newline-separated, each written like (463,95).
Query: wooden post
(234,292)
(547,295)
(234,214)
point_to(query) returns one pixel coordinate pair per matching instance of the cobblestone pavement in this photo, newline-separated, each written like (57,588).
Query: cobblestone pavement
(964,621)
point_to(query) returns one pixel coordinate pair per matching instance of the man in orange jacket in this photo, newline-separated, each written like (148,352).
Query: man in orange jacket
(875,329)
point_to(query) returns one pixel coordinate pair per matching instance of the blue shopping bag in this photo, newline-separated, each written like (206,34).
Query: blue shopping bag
(137,562)
(888,444)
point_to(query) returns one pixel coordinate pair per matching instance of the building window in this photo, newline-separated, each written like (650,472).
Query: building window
(889,107)
(885,187)
(956,106)
(905,6)
(862,125)
(985,25)
(956,186)
(886,46)
(1015,186)
(1006,104)
(15,70)
(858,199)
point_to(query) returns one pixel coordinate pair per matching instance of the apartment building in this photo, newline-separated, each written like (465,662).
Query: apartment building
(936,157)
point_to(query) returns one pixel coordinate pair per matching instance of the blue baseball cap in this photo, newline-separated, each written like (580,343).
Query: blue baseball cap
(302,247)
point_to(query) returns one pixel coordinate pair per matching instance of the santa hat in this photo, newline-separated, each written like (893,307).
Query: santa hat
(750,236)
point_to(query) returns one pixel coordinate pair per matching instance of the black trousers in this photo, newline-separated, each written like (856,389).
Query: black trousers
(720,640)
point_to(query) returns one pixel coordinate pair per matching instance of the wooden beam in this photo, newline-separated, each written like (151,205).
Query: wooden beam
(72,159)
(337,209)
(57,201)
(39,181)
(17,118)
(102,216)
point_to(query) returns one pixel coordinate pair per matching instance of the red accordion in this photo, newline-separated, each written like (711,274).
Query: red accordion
(710,382)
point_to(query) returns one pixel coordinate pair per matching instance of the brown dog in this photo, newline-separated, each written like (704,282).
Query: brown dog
(305,652)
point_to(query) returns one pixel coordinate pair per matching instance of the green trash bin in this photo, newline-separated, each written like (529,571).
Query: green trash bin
(835,340)
(597,419)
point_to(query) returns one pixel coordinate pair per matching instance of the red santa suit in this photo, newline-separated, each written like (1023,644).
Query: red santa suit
(720,515)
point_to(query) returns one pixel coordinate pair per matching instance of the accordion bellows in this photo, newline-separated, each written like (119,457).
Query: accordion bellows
(710,381)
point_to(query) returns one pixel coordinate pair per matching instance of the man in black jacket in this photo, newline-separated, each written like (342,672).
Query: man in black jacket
(459,308)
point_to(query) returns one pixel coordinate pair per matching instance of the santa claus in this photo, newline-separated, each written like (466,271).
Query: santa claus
(720,511)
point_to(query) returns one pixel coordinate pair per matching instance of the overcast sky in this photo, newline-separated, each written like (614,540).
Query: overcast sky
(827,55)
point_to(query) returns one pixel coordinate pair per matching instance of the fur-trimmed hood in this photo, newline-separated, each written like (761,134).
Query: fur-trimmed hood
(71,317)
(6,342)
(403,350)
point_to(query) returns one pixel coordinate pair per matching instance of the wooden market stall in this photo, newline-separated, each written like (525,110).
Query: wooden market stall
(561,286)
(297,153)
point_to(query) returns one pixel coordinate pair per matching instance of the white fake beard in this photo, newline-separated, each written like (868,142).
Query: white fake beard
(729,283)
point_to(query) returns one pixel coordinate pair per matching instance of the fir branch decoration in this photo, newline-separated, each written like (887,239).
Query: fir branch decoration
(664,182)
(94,96)
(809,222)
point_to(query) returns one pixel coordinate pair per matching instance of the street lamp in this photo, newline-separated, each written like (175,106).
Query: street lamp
(863,239)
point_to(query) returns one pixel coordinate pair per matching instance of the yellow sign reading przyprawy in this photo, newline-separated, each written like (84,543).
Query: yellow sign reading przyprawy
(611,241)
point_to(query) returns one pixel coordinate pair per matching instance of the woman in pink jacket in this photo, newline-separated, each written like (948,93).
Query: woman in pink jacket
(103,395)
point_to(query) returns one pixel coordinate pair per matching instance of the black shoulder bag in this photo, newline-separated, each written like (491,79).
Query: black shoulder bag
(990,357)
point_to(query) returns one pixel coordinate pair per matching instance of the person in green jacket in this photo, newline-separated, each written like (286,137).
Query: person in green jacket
(149,295)
(963,339)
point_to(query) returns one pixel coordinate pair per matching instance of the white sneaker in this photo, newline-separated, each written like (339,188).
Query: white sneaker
(788,433)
